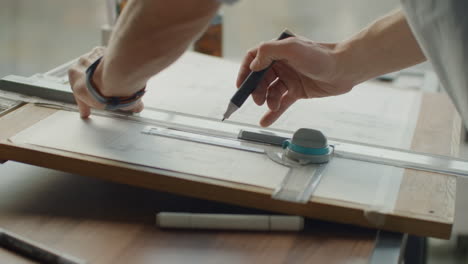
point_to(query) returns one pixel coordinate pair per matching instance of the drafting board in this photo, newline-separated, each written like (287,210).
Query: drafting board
(424,204)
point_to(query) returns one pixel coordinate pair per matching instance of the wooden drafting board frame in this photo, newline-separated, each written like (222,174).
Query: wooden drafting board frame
(425,203)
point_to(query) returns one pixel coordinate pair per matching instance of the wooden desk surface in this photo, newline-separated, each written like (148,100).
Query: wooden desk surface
(104,222)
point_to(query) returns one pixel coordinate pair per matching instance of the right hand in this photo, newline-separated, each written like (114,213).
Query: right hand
(302,69)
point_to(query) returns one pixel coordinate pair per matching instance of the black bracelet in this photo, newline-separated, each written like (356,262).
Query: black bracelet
(111,103)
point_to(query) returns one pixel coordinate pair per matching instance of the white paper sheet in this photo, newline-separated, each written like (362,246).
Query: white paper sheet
(361,182)
(373,113)
(121,140)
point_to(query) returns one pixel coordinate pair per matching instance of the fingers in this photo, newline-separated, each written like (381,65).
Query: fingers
(85,110)
(80,91)
(275,92)
(74,74)
(260,93)
(77,78)
(271,116)
(278,50)
(245,67)
(288,81)
(96,53)
(258,59)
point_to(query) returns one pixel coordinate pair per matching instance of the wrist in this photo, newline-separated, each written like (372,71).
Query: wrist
(350,67)
(108,88)
(109,102)
(97,80)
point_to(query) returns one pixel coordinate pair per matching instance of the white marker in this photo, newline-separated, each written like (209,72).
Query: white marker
(230,221)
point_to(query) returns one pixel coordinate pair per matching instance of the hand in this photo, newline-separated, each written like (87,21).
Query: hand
(77,78)
(302,69)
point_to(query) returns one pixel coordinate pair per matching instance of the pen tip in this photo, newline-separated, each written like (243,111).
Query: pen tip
(223,119)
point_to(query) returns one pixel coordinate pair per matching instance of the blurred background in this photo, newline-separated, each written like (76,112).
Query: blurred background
(247,23)
(36,36)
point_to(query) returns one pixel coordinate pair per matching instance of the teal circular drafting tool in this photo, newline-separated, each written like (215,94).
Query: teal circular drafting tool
(308,146)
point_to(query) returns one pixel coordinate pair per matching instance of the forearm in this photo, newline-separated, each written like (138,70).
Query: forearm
(385,46)
(148,37)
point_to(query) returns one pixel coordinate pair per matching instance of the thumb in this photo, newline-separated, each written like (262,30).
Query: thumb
(271,51)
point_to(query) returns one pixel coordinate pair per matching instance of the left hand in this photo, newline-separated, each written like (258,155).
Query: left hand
(77,78)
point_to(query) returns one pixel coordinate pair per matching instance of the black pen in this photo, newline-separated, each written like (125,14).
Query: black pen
(249,85)
(33,250)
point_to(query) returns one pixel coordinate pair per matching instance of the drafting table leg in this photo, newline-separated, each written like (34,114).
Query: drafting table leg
(462,244)
(416,249)
(389,248)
